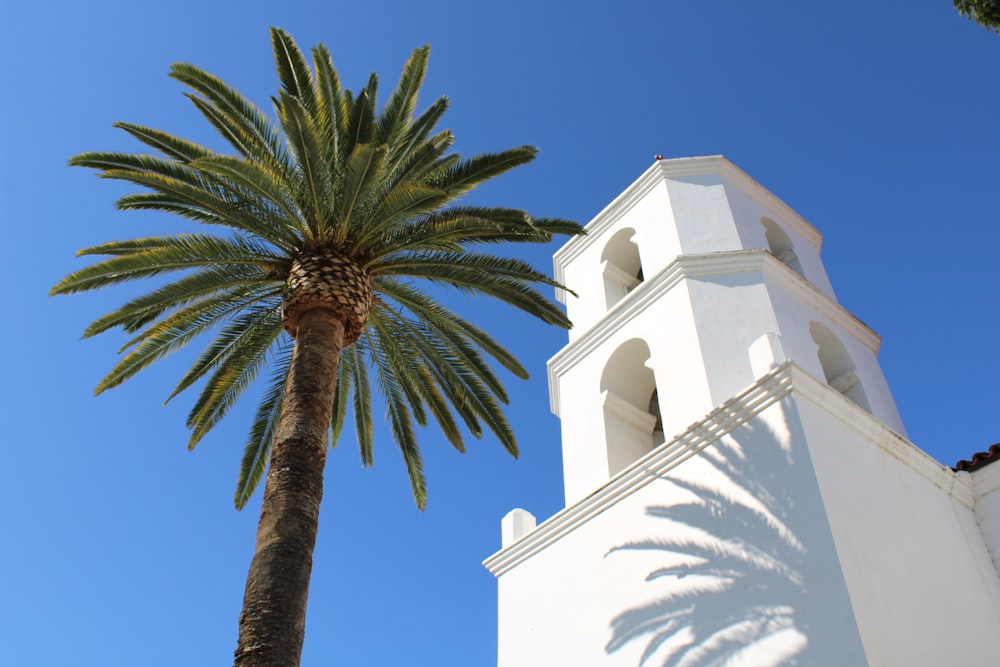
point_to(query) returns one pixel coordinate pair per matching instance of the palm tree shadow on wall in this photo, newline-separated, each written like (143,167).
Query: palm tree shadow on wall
(732,585)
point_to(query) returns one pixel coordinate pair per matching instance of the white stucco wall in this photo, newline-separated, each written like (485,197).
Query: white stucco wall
(921,580)
(730,543)
(986,489)
(731,311)
(702,214)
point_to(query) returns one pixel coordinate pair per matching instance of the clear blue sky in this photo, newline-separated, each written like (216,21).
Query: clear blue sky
(876,121)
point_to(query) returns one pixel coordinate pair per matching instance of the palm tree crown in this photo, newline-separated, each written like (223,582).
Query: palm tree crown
(338,207)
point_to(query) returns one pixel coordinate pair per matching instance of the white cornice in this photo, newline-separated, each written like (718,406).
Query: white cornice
(661,171)
(694,266)
(787,379)
(986,480)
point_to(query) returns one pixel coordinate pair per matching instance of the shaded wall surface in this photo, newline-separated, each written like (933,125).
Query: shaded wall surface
(727,555)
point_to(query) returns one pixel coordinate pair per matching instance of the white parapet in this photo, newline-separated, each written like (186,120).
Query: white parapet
(516,524)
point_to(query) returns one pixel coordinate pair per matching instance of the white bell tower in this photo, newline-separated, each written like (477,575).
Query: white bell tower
(739,489)
(693,283)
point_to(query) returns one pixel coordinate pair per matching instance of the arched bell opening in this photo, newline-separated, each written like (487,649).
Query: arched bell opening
(632,422)
(621,266)
(780,245)
(839,369)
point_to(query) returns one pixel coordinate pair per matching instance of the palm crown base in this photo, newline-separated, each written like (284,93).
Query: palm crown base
(326,279)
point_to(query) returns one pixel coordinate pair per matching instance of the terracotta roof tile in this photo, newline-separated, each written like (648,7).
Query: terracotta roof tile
(980,459)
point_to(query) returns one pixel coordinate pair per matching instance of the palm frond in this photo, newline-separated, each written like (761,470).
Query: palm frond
(400,424)
(312,161)
(237,355)
(502,278)
(169,145)
(419,162)
(419,153)
(421,127)
(259,179)
(237,119)
(361,176)
(558,226)
(162,255)
(262,431)
(395,206)
(260,323)
(199,194)
(124,163)
(177,330)
(361,390)
(395,117)
(142,310)
(342,396)
(466,175)
(455,228)
(448,323)
(245,215)
(457,370)
(293,72)
(412,360)
(361,124)
(215,202)
(331,107)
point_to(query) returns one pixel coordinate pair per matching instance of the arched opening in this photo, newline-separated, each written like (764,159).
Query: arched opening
(780,245)
(632,423)
(837,366)
(621,266)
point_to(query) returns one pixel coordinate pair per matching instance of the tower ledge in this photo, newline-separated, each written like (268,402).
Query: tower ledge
(789,378)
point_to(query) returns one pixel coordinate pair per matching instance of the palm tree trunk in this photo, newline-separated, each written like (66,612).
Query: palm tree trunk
(272,623)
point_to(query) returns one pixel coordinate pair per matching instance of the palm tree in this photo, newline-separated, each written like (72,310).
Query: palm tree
(332,221)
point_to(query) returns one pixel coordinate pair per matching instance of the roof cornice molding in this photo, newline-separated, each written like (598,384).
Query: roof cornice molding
(787,379)
(985,480)
(696,266)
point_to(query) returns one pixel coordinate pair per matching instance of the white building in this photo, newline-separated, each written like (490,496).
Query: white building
(739,486)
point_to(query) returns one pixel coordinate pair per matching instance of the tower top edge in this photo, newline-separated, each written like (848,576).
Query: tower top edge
(674,168)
